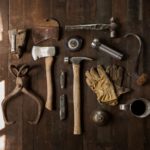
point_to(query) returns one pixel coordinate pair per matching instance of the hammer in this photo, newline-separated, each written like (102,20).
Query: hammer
(112,27)
(96,44)
(47,53)
(76,90)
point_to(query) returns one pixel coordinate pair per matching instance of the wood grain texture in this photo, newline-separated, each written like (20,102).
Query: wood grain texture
(76,99)
(48,68)
(123,132)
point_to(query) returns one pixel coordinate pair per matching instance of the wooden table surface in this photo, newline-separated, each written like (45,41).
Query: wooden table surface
(124,132)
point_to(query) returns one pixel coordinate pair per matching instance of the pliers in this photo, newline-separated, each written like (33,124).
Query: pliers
(21,86)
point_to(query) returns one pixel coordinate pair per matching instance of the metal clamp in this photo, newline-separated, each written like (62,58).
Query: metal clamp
(21,84)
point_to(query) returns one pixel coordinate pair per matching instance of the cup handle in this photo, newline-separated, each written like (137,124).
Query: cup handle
(123,106)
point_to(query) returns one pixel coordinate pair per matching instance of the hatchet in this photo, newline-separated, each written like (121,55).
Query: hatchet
(47,53)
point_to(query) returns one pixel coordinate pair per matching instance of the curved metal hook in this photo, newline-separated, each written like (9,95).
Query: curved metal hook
(30,94)
(38,102)
(23,70)
(4,105)
(20,74)
(139,50)
(14,70)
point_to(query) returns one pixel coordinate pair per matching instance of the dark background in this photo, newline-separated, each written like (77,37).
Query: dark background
(124,132)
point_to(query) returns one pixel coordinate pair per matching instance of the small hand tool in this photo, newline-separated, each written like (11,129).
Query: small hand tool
(98,45)
(142,78)
(17,41)
(74,43)
(100,117)
(63,105)
(21,86)
(62,79)
(76,90)
(47,53)
(112,27)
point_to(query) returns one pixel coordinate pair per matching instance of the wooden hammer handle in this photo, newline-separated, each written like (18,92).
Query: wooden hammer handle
(76,99)
(48,67)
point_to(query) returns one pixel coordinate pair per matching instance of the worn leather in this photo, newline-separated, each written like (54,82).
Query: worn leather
(116,75)
(41,34)
(101,85)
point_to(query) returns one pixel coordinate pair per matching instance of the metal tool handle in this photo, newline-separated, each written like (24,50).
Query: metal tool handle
(38,102)
(4,105)
(111,52)
(62,79)
(48,67)
(76,99)
(88,27)
(62,111)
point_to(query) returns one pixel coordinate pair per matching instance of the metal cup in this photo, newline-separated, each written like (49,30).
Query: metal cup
(138,107)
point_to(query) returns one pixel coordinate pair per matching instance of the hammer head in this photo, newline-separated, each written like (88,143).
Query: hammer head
(95,43)
(76,60)
(39,52)
(113,27)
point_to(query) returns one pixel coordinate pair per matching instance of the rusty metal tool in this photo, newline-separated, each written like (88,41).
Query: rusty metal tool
(62,79)
(17,41)
(63,107)
(142,78)
(21,87)
(96,44)
(112,27)
(47,53)
(76,90)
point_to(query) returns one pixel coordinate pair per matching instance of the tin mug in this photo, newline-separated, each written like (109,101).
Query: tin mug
(138,107)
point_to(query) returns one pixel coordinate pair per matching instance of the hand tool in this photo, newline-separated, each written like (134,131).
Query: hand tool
(76,90)
(96,44)
(142,78)
(47,53)
(112,27)
(46,30)
(62,79)
(100,117)
(21,86)
(17,41)
(63,105)
(74,43)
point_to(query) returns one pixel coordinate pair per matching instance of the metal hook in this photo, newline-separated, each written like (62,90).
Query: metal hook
(21,81)
(139,50)
(141,78)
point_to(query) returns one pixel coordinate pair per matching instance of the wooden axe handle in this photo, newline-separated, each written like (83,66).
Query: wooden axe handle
(48,67)
(76,99)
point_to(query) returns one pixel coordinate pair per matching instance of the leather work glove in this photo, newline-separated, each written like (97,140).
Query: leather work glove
(101,85)
(116,75)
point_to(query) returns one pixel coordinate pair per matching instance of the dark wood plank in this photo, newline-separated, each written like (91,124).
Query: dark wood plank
(146,36)
(120,119)
(4,26)
(135,26)
(123,131)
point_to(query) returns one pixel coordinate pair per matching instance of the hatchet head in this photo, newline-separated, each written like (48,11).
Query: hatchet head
(40,52)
